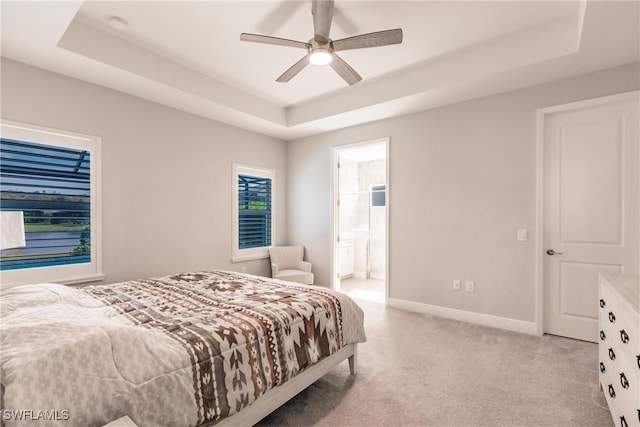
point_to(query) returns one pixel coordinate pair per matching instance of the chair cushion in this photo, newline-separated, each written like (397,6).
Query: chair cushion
(295,276)
(286,257)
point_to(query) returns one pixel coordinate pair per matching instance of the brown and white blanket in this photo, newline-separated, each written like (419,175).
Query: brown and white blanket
(179,350)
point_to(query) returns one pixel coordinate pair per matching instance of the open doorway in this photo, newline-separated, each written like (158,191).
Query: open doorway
(360,220)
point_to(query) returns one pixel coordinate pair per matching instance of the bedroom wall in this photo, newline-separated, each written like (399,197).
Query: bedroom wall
(166,174)
(462,181)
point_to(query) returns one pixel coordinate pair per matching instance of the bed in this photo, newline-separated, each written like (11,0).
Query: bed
(190,349)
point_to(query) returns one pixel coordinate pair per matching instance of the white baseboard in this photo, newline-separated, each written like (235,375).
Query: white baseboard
(359,274)
(466,316)
(372,275)
(377,276)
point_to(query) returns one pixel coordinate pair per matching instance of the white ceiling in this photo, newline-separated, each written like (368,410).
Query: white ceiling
(188,54)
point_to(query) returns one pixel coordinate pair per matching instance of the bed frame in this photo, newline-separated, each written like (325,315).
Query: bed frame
(276,397)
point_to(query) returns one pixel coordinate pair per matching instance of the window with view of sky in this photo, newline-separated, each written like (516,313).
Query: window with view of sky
(51,185)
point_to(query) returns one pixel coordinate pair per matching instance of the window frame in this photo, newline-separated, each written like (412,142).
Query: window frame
(69,273)
(238,254)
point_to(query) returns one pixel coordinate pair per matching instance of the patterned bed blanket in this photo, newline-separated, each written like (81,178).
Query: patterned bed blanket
(179,350)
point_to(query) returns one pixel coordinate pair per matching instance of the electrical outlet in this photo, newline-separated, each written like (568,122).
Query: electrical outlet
(456,285)
(470,286)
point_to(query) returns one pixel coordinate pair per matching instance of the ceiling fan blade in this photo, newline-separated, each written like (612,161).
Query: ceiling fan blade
(293,70)
(322,11)
(379,38)
(257,38)
(344,70)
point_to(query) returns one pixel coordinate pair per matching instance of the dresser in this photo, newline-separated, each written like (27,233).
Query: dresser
(619,347)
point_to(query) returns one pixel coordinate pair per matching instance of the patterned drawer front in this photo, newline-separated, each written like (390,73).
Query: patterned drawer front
(617,371)
(619,323)
(621,386)
(627,420)
(619,353)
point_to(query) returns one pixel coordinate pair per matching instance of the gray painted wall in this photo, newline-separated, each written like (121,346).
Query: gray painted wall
(166,174)
(462,180)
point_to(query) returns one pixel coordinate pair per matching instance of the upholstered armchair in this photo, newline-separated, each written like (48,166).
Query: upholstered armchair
(287,264)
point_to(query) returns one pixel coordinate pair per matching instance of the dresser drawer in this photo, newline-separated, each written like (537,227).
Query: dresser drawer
(619,327)
(621,389)
(621,376)
(628,419)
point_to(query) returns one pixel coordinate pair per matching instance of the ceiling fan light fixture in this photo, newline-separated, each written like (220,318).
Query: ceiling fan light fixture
(320,56)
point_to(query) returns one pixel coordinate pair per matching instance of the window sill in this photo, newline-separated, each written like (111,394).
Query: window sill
(83,280)
(75,281)
(241,258)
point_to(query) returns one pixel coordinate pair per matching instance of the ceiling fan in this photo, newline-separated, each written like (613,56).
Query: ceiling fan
(321,50)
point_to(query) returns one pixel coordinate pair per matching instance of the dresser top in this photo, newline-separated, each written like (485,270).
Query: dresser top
(627,286)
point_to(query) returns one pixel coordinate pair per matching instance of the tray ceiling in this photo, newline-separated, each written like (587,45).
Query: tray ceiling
(188,54)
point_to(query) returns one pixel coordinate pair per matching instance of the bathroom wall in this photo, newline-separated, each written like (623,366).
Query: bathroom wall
(358,220)
(373,173)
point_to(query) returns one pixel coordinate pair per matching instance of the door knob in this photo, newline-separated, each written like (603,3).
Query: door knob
(552,252)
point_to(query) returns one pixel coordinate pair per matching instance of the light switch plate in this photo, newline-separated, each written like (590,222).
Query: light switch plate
(522,234)
(470,286)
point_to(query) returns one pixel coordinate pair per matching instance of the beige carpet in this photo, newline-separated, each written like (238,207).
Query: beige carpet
(418,370)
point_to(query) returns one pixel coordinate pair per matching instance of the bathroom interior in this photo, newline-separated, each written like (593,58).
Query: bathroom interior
(362,221)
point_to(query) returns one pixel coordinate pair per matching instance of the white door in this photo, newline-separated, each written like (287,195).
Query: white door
(591,214)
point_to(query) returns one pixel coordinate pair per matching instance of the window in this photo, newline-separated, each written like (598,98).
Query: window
(53,178)
(253,212)
(378,195)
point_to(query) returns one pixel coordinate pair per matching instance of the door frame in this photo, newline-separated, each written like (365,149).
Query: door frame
(335,212)
(542,115)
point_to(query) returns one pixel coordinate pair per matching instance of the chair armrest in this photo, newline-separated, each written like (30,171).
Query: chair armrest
(274,269)
(305,266)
